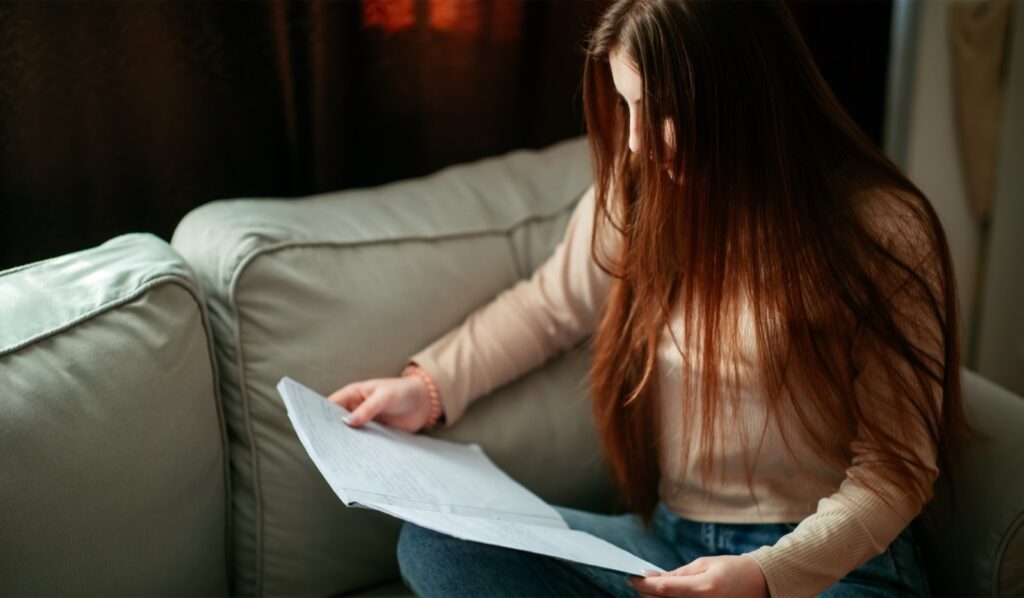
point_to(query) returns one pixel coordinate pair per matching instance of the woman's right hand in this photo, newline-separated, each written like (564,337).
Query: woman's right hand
(402,403)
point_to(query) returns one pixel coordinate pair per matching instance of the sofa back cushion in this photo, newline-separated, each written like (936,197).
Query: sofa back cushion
(346,286)
(113,475)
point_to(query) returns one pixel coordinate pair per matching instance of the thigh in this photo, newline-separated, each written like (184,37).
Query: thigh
(436,564)
(627,532)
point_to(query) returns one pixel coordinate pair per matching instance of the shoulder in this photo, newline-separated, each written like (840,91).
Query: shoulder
(904,241)
(909,264)
(901,222)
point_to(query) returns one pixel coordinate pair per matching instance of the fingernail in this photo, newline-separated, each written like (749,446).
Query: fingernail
(348,419)
(650,572)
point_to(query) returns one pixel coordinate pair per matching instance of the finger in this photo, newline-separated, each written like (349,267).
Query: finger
(343,392)
(643,588)
(694,567)
(367,410)
(649,595)
(645,593)
(349,396)
(647,573)
(667,585)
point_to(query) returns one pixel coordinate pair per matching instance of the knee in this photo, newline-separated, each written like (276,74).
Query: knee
(410,538)
(574,518)
(418,550)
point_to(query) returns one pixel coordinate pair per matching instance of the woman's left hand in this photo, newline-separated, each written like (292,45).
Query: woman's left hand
(706,576)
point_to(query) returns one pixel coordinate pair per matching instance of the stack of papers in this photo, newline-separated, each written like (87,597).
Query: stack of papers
(448,487)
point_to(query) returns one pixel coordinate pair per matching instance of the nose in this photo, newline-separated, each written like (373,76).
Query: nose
(634,134)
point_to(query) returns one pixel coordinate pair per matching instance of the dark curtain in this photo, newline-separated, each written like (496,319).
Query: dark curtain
(119,117)
(850,42)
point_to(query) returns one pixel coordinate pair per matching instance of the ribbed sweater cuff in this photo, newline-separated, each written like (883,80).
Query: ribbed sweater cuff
(780,581)
(451,407)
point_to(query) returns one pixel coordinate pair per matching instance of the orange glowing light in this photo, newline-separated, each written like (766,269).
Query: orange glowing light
(389,15)
(455,16)
(502,18)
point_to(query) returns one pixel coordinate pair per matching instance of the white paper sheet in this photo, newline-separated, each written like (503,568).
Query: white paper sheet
(445,486)
(380,464)
(567,544)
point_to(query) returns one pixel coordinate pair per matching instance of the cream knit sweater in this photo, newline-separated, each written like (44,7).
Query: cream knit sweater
(842,523)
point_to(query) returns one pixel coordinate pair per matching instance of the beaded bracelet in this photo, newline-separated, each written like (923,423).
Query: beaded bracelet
(435,400)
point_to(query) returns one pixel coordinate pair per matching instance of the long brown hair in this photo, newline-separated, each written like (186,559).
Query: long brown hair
(778,200)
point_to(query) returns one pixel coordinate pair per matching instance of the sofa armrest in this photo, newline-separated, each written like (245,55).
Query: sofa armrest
(114,477)
(976,546)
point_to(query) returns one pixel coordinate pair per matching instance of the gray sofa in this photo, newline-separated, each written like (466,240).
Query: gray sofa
(145,450)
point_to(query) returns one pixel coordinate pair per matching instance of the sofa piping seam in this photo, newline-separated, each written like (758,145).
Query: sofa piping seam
(244,397)
(93,312)
(246,259)
(1004,542)
(199,298)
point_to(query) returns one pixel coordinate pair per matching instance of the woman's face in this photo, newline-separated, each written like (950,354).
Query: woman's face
(629,86)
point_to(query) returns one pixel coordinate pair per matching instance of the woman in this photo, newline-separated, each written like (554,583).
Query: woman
(774,319)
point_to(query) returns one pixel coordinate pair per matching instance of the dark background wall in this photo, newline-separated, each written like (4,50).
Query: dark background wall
(119,117)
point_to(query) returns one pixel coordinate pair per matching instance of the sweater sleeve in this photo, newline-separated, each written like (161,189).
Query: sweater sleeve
(849,527)
(867,512)
(525,325)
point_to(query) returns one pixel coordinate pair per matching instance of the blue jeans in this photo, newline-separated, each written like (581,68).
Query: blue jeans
(434,564)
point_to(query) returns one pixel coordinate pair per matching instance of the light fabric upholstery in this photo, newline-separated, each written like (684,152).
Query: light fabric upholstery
(113,475)
(978,547)
(346,286)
